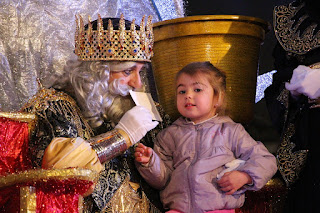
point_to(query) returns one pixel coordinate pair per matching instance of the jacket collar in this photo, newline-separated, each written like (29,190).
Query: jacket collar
(182,121)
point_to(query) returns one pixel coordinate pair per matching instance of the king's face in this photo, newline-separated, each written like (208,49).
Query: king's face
(129,75)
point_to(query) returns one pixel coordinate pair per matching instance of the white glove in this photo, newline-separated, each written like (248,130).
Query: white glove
(305,81)
(136,123)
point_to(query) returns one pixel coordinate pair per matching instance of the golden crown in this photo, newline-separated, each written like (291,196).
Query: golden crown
(109,44)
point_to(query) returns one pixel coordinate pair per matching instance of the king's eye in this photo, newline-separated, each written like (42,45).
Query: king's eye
(127,72)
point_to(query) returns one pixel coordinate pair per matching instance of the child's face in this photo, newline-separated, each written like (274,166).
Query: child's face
(195,97)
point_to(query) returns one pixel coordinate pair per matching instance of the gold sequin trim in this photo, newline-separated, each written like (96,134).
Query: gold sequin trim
(290,163)
(127,200)
(42,175)
(28,199)
(287,31)
(58,103)
(284,98)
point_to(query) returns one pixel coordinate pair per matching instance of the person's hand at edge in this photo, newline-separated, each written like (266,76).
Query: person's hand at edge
(142,154)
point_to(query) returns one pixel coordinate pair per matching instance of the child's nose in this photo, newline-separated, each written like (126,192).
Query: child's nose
(188,95)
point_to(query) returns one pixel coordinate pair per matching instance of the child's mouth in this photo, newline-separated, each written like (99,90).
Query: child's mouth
(188,105)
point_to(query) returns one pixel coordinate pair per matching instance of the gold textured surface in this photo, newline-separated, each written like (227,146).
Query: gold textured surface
(231,43)
(126,199)
(28,199)
(43,175)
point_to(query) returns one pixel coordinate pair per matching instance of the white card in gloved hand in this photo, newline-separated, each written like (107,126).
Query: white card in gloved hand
(145,99)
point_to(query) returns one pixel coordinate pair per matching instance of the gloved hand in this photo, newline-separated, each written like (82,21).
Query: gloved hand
(70,152)
(136,123)
(305,81)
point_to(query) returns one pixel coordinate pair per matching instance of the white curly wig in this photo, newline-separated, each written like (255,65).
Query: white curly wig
(98,100)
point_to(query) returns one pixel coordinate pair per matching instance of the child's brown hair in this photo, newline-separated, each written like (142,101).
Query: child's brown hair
(216,78)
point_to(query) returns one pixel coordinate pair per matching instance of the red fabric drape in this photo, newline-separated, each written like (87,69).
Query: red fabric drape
(14,141)
(54,195)
(14,157)
(61,196)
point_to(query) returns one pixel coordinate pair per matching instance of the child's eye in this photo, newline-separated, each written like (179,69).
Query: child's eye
(197,90)
(181,92)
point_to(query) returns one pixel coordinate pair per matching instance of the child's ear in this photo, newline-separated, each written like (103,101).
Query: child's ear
(220,100)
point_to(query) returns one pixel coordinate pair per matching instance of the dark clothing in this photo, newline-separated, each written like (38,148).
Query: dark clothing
(59,116)
(297,123)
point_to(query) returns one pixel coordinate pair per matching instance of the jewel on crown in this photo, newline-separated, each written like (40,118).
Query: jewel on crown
(109,44)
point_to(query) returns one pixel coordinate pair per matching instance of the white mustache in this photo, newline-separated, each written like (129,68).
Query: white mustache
(117,88)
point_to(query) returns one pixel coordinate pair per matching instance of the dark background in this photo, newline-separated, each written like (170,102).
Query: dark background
(260,127)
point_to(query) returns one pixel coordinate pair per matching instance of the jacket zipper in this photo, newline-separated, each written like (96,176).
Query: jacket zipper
(191,208)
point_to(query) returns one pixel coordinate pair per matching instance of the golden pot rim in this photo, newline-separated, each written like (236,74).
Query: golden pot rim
(241,18)
(211,25)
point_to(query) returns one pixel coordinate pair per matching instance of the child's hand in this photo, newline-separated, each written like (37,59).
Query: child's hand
(142,153)
(234,180)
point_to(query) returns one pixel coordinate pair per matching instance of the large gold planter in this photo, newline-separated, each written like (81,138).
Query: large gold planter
(232,43)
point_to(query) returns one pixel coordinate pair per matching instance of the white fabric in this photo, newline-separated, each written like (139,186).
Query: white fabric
(232,165)
(136,123)
(305,81)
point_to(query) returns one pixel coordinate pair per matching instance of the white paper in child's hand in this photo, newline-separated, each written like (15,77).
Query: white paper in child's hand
(145,99)
(230,166)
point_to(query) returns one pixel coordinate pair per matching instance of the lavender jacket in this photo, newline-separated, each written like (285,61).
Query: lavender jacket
(187,158)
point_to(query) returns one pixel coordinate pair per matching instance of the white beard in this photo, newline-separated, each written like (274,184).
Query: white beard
(99,100)
(121,103)
(113,107)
